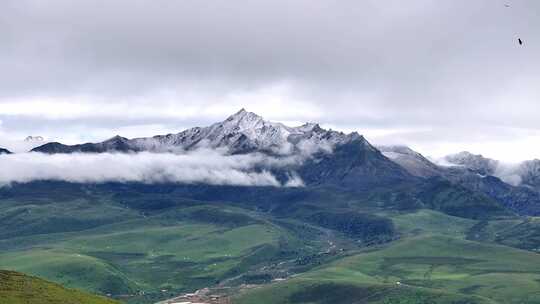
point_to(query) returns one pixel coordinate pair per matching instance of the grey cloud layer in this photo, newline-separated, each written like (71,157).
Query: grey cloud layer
(445,67)
(202,166)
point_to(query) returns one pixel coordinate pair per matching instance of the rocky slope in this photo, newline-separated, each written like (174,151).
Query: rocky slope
(414,162)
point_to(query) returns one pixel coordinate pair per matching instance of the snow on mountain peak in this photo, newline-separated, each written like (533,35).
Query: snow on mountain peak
(478,163)
(246,131)
(244,120)
(397,149)
(414,162)
(309,126)
(242,132)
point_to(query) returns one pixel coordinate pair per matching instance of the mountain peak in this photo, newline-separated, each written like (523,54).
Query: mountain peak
(241,114)
(116,138)
(241,132)
(242,110)
(310,126)
(244,120)
(414,162)
(475,162)
(466,155)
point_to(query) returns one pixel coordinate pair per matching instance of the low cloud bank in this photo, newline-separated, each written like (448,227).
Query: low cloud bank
(509,173)
(202,166)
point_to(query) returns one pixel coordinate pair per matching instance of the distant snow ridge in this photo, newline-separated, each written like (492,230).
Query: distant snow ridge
(245,132)
(475,162)
(526,173)
(414,162)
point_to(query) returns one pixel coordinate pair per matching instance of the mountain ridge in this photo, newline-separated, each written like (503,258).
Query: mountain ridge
(332,158)
(521,198)
(242,132)
(475,162)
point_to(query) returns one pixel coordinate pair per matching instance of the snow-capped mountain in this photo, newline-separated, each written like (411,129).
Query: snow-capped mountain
(246,132)
(326,156)
(474,162)
(242,132)
(333,158)
(414,162)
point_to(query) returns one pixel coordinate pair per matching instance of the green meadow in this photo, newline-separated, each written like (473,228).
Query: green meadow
(330,247)
(426,268)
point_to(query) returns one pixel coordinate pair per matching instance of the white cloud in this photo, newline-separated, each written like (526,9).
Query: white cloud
(294,181)
(509,173)
(202,166)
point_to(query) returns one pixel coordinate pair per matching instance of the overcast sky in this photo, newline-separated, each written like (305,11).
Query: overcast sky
(439,76)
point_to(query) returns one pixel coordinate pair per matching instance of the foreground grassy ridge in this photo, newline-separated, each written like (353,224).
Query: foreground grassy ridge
(69,268)
(432,268)
(16,288)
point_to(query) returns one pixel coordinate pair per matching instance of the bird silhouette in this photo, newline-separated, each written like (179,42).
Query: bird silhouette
(520,41)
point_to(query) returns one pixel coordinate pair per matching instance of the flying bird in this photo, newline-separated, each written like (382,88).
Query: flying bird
(520,42)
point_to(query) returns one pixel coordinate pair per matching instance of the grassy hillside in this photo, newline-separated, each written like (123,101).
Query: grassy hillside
(156,254)
(144,243)
(138,256)
(430,269)
(427,221)
(300,291)
(17,288)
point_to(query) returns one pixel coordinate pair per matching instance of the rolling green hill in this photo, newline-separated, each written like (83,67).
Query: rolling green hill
(153,255)
(426,269)
(17,288)
(145,243)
